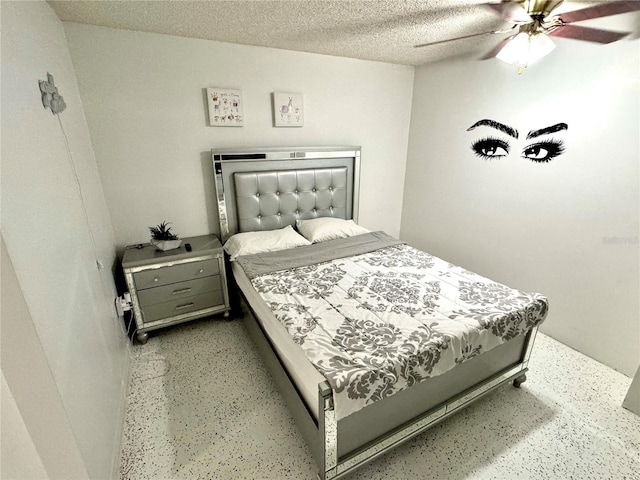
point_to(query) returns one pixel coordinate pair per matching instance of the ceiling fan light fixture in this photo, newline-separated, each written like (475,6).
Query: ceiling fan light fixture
(526,48)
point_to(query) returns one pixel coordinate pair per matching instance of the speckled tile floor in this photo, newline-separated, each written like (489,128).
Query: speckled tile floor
(201,406)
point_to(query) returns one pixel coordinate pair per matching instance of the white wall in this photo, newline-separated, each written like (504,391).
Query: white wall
(568,228)
(48,234)
(36,432)
(20,458)
(144,101)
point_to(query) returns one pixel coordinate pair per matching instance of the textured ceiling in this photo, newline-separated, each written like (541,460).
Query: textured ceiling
(380,30)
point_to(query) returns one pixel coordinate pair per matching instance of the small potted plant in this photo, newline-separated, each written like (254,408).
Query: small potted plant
(163,238)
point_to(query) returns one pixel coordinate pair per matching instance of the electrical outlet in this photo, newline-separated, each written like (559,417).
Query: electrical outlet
(119,309)
(123,304)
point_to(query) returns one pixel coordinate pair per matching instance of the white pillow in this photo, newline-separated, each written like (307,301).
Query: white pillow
(327,228)
(248,243)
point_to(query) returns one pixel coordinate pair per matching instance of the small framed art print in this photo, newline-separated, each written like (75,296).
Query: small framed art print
(225,107)
(288,109)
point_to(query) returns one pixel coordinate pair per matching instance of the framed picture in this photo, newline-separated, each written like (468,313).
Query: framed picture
(225,107)
(288,109)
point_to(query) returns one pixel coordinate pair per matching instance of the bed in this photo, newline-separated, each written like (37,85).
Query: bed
(370,341)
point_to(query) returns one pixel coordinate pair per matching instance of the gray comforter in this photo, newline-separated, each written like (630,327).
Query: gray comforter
(375,315)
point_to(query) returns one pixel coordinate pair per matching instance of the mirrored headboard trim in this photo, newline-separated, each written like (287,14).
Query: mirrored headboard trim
(334,174)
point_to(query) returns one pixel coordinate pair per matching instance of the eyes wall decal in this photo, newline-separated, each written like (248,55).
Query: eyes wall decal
(542,149)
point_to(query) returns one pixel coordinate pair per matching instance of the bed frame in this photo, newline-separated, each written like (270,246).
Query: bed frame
(340,446)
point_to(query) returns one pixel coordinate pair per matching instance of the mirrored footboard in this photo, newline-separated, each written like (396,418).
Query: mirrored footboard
(339,459)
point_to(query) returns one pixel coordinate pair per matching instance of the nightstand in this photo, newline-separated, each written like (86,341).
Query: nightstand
(176,286)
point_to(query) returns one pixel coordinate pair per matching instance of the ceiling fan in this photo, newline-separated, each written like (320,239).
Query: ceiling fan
(534,22)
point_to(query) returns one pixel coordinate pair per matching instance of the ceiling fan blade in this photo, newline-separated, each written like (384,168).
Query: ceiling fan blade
(513,12)
(601,10)
(454,39)
(587,34)
(495,50)
(545,7)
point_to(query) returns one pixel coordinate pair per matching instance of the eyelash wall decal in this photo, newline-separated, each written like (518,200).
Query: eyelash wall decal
(542,151)
(490,147)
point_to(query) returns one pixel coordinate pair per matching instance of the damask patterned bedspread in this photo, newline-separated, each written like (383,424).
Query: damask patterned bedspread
(377,322)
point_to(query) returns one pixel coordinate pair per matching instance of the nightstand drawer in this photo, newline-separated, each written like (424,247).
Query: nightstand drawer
(176,291)
(181,306)
(176,273)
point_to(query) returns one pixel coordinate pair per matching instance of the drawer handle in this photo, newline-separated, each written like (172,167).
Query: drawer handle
(186,305)
(155,279)
(201,270)
(181,290)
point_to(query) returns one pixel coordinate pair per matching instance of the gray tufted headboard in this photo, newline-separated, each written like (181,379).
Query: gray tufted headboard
(267,189)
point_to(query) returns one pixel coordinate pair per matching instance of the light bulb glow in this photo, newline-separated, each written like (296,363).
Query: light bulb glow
(524,49)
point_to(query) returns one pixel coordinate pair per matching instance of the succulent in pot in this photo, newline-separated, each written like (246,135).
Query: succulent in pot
(163,238)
